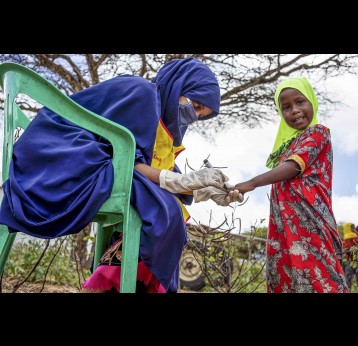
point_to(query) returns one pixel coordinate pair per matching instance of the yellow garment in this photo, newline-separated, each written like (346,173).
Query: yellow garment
(347,231)
(164,155)
(285,132)
(299,161)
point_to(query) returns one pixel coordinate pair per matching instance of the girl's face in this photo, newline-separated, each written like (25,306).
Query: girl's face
(296,109)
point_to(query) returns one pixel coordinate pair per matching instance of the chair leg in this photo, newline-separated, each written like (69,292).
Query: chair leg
(6,241)
(103,237)
(130,252)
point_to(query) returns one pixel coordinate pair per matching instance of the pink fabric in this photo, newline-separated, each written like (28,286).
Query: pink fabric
(107,277)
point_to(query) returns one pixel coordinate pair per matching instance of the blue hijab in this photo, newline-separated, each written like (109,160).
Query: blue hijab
(190,78)
(60,174)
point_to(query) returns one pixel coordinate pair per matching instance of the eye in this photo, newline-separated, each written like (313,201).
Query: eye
(197,106)
(301,101)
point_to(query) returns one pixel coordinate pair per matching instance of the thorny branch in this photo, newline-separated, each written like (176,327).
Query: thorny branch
(222,257)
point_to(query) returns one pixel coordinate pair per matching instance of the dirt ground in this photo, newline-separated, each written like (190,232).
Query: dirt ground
(28,287)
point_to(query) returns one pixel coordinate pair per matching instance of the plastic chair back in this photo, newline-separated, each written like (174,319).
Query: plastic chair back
(116,214)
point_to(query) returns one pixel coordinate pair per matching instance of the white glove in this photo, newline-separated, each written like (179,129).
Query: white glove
(220,197)
(179,183)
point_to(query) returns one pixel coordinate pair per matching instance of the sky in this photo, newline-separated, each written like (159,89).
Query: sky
(244,151)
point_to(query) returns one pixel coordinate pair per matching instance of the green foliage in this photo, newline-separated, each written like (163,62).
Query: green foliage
(63,269)
(340,229)
(354,288)
(253,280)
(260,232)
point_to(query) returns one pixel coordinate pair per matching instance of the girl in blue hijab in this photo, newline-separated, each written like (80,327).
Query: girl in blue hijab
(61,175)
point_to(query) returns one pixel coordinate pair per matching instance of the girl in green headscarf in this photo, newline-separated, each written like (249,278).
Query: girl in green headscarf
(286,134)
(304,251)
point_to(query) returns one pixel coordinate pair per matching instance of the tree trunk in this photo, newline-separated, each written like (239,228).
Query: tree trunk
(79,250)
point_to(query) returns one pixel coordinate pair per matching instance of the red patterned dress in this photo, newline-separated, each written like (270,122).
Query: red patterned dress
(304,251)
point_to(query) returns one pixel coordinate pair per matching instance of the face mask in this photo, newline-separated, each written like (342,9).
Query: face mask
(187,114)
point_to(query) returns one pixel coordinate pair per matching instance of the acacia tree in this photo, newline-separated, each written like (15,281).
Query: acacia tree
(247,81)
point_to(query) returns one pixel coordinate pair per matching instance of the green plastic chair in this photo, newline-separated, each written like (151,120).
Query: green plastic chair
(116,214)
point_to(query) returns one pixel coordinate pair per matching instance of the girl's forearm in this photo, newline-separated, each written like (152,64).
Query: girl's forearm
(287,170)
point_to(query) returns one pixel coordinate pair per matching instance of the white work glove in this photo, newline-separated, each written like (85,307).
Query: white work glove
(181,183)
(220,197)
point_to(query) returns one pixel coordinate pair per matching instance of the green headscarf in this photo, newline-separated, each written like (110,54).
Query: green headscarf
(286,134)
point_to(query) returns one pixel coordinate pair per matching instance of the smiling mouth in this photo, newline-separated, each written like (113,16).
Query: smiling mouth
(297,119)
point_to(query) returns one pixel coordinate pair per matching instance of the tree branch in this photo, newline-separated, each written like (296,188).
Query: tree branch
(47,60)
(34,267)
(52,259)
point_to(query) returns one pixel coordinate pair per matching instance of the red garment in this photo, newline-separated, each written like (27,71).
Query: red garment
(304,251)
(347,244)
